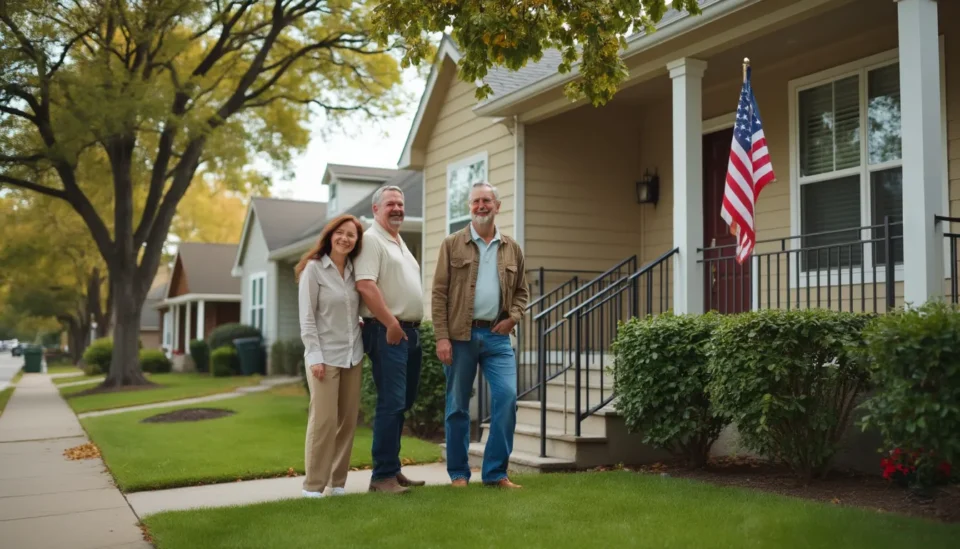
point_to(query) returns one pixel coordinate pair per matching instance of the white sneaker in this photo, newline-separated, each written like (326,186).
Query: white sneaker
(308,494)
(339,491)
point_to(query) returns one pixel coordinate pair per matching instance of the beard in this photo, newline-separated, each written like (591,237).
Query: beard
(482,219)
(395,219)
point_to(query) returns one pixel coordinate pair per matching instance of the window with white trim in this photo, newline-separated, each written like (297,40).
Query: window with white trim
(257,300)
(332,199)
(850,164)
(461,176)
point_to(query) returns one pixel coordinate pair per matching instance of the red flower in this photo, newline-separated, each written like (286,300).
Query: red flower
(945,468)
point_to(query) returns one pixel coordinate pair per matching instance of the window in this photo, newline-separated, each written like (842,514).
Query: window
(257,300)
(461,176)
(332,200)
(850,174)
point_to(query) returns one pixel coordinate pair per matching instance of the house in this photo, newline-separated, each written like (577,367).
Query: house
(200,296)
(860,104)
(277,232)
(151,332)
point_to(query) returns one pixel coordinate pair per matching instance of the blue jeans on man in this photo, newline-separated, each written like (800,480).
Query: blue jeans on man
(396,374)
(494,354)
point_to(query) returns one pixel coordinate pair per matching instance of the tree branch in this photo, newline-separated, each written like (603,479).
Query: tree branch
(56,193)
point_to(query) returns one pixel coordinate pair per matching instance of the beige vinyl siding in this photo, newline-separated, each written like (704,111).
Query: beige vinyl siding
(456,135)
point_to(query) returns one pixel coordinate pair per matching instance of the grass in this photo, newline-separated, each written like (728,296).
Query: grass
(63,369)
(173,387)
(611,509)
(76,379)
(8,392)
(263,439)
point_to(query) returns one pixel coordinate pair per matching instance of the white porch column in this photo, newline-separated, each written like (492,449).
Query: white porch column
(175,311)
(922,139)
(687,76)
(188,331)
(201,319)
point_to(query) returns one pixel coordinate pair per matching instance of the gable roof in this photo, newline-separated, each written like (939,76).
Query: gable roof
(281,219)
(206,268)
(345,171)
(410,181)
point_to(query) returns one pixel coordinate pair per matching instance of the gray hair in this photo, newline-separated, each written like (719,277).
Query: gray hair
(378,194)
(496,193)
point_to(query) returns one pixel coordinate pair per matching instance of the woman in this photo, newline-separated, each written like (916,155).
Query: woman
(333,353)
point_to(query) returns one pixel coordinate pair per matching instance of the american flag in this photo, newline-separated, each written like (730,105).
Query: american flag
(748,172)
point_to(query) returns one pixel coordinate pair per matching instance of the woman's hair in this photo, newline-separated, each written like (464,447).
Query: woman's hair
(323,243)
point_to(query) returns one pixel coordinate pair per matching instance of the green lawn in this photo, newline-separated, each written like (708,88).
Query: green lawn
(5,397)
(613,509)
(263,439)
(173,387)
(64,369)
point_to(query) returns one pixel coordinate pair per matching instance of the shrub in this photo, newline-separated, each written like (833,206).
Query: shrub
(915,365)
(225,334)
(286,357)
(97,356)
(661,375)
(222,360)
(200,353)
(789,380)
(154,361)
(426,416)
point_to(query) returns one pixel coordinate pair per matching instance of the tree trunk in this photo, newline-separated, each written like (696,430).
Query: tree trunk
(125,362)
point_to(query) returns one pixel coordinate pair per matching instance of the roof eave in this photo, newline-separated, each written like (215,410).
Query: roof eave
(236,271)
(500,106)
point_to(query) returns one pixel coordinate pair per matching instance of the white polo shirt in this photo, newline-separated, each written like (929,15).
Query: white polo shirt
(390,264)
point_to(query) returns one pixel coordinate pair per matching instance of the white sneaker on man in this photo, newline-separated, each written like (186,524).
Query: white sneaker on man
(339,491)
(308,494)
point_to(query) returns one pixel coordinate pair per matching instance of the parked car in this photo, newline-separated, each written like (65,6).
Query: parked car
(17,349)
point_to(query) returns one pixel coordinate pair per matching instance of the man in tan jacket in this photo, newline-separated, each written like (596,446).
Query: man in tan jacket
(479,296)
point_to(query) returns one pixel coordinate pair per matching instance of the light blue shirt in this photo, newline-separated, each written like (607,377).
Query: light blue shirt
(486,297)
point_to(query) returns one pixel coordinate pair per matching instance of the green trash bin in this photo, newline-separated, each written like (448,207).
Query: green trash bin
(33,360)
(249,353)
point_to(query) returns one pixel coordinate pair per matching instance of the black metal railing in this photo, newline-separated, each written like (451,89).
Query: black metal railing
(843,269)
(595,325)
(543,281)
(952,241)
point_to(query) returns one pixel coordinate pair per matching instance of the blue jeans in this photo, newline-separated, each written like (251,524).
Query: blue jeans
(396,374)
(495,356)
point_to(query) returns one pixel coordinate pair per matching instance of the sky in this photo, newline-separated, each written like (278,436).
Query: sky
(372,144)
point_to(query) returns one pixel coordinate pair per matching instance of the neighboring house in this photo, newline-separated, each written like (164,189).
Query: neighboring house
(277,232)
(200,296)
(860,103)
(151,333)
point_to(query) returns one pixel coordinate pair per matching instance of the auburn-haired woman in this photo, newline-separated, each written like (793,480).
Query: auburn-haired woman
(333,353)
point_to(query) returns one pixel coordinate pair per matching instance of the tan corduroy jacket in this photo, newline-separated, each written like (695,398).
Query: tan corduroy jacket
(455,280)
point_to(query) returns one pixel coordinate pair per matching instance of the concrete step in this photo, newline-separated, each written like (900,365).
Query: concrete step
(559,392)
(528,413)
(520,462)
(526,439)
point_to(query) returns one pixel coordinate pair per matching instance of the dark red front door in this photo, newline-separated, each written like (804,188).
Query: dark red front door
(727,284)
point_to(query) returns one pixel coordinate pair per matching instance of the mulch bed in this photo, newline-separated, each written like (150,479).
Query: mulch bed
(841,488)
(189,414)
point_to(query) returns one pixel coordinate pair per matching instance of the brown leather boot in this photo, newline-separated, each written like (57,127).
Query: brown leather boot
(388,485)
(404,481)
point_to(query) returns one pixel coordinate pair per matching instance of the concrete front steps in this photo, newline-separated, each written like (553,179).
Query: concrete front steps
(603,436)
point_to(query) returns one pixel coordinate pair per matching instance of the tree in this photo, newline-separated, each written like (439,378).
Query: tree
(52,268)
(159,88)
(510,33)
(209,212)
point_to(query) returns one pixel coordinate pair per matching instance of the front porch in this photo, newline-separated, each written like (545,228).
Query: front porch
(858,103)
(193,316)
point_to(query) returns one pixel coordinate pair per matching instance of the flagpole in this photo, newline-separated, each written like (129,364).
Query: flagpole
(746,63)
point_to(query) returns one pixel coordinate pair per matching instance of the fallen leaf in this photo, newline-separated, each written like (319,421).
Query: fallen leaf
(84,451)
(835,501)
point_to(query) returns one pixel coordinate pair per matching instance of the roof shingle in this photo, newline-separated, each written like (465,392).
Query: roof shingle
(207,267)
(283,221)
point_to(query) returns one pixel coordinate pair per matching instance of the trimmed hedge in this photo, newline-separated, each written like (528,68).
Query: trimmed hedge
(915,365)
(97,357)
(661,375)
(789,380)
(200,352)
(154,361)
(222,361)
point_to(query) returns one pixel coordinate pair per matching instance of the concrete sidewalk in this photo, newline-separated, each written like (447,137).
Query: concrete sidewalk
(46,500)
(259,491)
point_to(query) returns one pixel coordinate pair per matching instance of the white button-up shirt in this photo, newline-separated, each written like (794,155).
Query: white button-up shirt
(329,315)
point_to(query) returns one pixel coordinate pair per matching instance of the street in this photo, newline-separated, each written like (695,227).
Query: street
(9,366)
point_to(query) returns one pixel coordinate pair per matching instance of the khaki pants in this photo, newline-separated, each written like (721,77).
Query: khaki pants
(331,424)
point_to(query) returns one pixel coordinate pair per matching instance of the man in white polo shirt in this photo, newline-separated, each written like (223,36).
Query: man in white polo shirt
(388,279)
